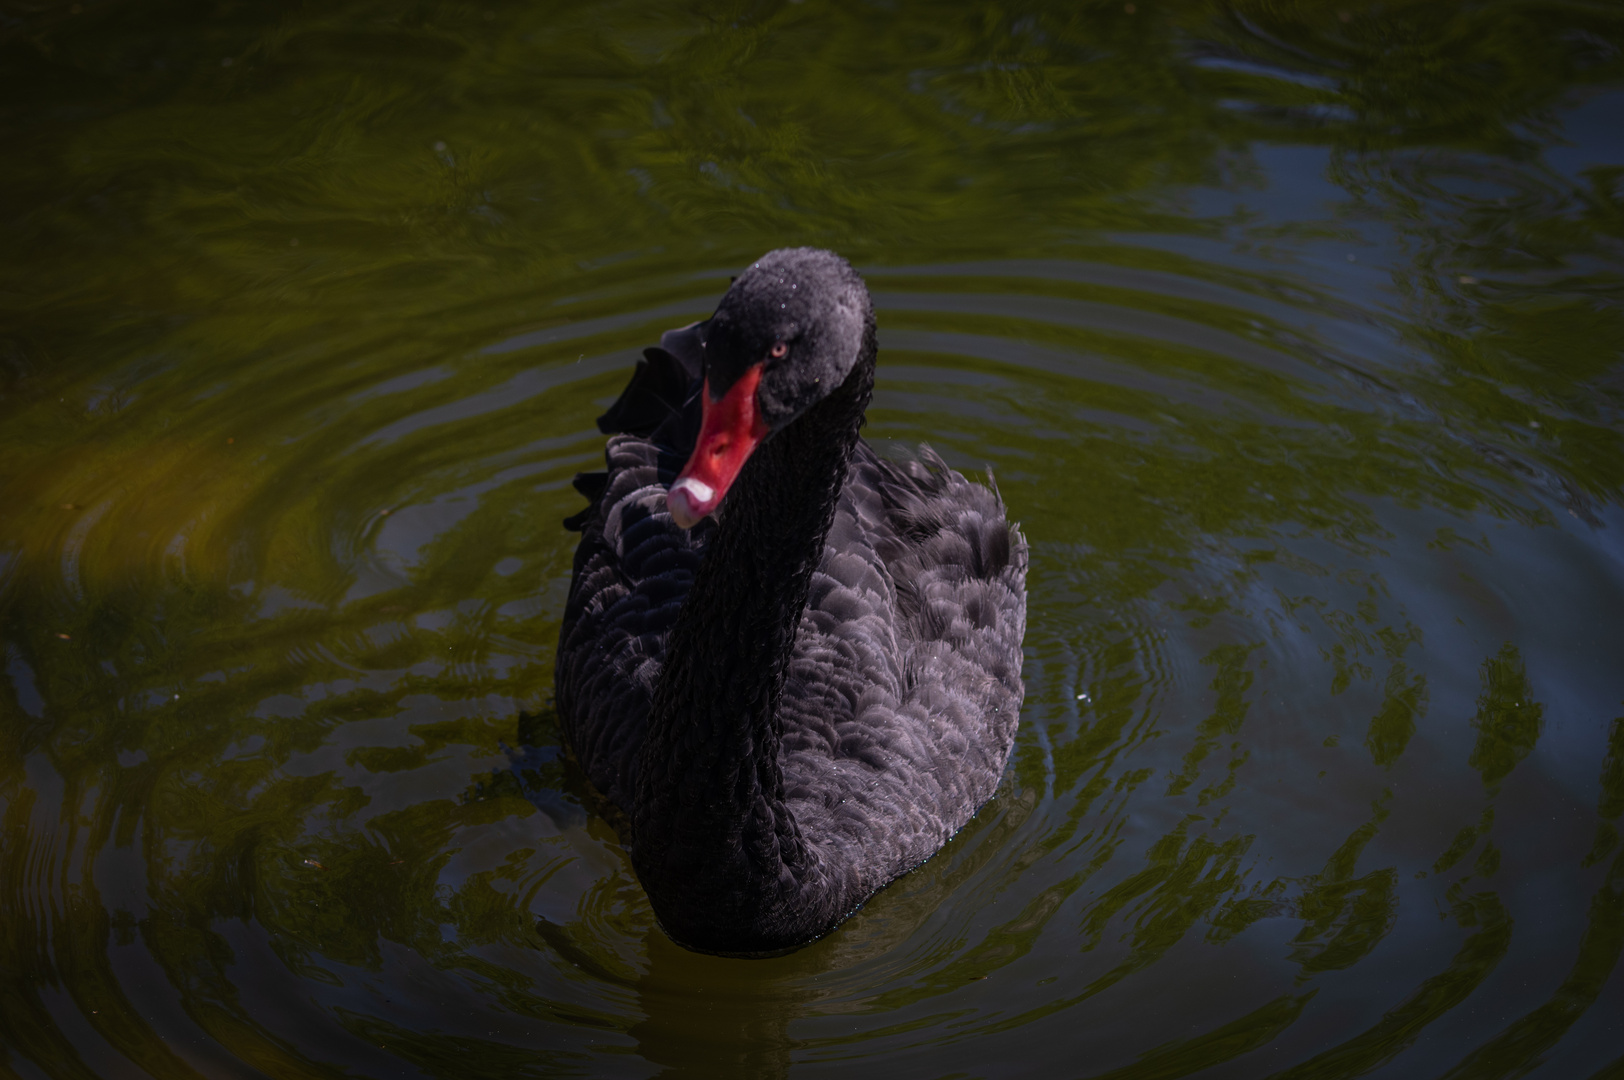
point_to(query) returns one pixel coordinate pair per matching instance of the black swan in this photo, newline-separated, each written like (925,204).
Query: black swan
(793,667)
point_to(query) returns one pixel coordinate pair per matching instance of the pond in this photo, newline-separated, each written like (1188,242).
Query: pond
(1293,334)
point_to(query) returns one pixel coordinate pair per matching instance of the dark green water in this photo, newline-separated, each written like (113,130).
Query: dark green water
(1295,337)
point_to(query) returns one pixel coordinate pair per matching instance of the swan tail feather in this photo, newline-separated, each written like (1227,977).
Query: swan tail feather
(592,485)
(659,387)
(653,405)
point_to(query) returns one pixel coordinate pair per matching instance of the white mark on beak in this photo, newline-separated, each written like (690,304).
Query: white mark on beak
(689,501)
(698,490)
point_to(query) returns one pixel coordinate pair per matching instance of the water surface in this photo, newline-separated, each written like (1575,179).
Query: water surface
(1292,334)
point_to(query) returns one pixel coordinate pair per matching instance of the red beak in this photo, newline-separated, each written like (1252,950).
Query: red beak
(730,430)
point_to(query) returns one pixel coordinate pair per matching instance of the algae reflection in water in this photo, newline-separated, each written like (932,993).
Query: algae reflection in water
(1292,333)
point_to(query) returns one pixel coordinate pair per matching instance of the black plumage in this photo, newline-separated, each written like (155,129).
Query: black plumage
(803,696)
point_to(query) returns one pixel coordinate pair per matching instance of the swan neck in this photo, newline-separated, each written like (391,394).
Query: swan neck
(716,846)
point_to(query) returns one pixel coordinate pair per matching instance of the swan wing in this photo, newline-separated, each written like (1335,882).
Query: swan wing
(905,687)
(633,570)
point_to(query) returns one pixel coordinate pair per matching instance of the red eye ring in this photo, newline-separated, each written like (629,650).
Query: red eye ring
(780,350)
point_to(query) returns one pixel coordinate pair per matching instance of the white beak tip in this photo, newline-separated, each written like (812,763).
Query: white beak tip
(690,501)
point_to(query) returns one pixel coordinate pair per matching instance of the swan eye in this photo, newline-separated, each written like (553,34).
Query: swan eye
(780,350)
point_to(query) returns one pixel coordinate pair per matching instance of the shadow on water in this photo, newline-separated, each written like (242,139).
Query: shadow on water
(717,1016)
(1290,331)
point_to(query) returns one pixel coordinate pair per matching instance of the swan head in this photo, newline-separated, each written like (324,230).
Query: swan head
(784,337)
